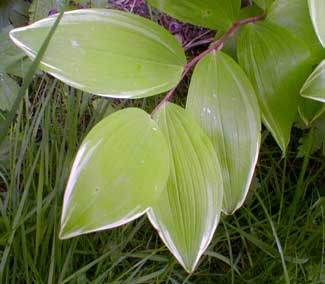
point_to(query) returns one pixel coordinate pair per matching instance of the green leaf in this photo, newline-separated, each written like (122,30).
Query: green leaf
(121,168)
(14,12)
(8,91)
(4,13)
(107,52)
(9,53)
(250,11)
(12,60)
(310,110)
(298,23)
(264,4)
(223,101)
(277,64)
(188,211)
(213,14)
(40,9)
(4,127)
(98,3)
(230,46)
(317,11)
(314,87)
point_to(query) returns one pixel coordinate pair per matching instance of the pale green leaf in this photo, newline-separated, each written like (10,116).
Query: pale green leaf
(277,64)
(8,91)
(314,87)
(107,52)
(188,211)
(317,11)
(121,168)
(223,101)
(213,14)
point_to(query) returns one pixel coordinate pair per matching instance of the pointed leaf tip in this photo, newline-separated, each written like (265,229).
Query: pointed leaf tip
(223,101)
(277,64)
(127,57)
(188,211)
(314,87)
(317,11)
(121,168)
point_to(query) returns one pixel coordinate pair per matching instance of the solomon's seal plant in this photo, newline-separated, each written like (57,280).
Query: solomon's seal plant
(181,167)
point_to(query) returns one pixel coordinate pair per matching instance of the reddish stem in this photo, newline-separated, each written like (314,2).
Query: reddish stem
(215,47)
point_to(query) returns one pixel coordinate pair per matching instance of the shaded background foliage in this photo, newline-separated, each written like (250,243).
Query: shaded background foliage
(36,157)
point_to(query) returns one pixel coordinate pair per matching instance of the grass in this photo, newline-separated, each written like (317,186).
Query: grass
(277,237)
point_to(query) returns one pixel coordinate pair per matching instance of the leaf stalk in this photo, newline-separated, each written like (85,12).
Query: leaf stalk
(214,47)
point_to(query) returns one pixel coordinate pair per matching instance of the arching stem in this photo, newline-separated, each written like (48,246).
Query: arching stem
(215,47)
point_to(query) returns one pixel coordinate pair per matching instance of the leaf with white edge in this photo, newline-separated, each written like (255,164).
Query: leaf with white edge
(120,169)
(317,11)
(223,101)
(107,52)
(277,64)
(213,14)
(314,87)
(188,211)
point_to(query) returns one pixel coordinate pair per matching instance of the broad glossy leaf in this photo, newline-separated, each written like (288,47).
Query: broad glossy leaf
(314,87)
(107,52)
(120,170)
(298,23)
(188,211)
(277,64)
(317,11)
(213,14)
(223,101)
